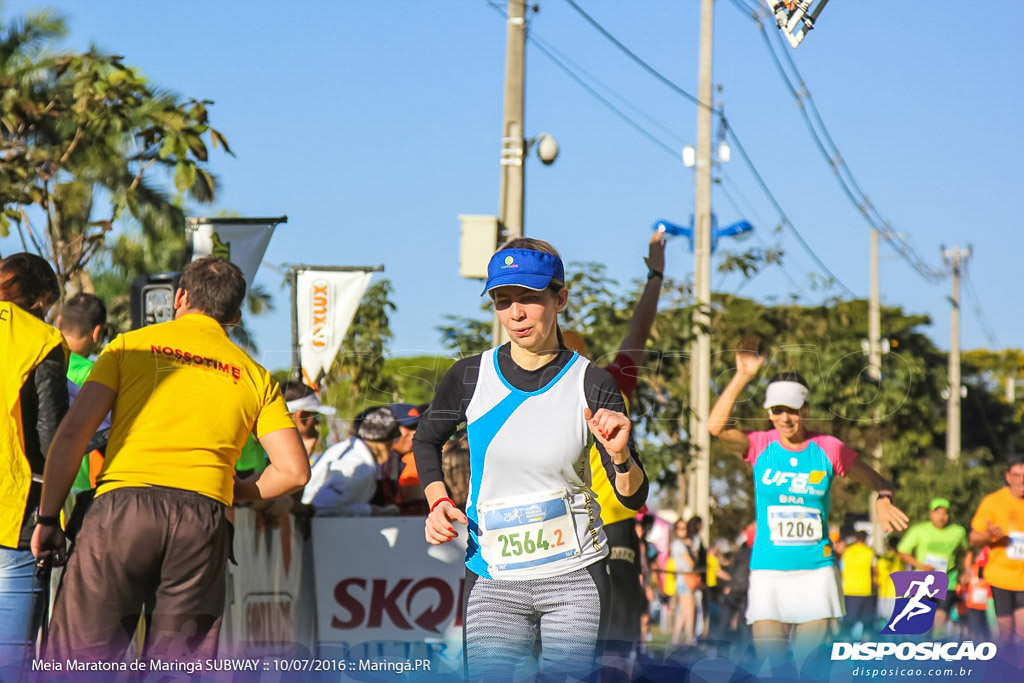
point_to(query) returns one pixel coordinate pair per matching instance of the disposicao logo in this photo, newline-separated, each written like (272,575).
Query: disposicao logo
(921,592)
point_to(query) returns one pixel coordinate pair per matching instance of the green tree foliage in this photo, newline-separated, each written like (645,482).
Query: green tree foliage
(85,140)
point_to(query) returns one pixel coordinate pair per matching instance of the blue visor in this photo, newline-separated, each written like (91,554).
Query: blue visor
(523,268)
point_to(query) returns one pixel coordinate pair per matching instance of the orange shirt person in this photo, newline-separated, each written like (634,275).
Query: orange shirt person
(999,524)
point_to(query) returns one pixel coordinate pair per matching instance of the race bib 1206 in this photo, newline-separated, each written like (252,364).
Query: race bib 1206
(794,525)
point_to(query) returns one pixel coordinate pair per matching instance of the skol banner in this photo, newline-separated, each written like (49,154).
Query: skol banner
(325,303)
(384,593)
(243,243)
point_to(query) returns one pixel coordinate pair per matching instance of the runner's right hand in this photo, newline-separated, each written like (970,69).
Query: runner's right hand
(748,362)
(438,527)
(994,532)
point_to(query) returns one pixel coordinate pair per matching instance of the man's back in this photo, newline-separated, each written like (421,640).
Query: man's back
(187,399)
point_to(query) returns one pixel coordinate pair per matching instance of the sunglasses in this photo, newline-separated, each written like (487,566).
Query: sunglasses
(779,410)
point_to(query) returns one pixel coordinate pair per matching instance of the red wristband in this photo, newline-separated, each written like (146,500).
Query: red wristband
(441,500)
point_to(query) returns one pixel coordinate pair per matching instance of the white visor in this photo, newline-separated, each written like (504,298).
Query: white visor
(790,394)
(310,404)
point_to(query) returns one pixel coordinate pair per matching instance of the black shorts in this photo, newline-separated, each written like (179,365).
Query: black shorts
(950,602)
(1006,601)
(859,608)
(156,551)
(627,595)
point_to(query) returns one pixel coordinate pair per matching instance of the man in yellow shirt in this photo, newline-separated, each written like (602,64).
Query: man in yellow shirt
(858,563)
(999,524)
(887,564)
(184,399)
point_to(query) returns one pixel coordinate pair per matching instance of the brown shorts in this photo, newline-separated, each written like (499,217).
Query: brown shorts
(157,552)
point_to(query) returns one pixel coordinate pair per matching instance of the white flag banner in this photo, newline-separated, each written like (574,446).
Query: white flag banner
(242,243)
(325,303)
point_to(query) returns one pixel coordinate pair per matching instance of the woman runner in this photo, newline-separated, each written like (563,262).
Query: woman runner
(535,562)
(794,583)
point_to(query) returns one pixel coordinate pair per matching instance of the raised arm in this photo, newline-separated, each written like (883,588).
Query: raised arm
(647,306)
(748,363)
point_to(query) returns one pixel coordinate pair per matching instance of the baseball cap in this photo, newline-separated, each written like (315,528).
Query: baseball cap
(407,414)
(523,268)
(790,394)
(377,424)
(938,503)
(309,403)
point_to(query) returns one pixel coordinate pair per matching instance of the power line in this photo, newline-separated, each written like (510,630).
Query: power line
(731,132)
(621,114)
(759,238)
(828,149)
(636,58)
(608,89)
(550,53)
(982,318)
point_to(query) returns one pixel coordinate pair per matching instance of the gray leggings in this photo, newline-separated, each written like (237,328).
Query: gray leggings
(507,620)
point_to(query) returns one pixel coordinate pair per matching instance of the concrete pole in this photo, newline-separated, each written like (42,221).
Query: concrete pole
(701,363)
(513,146)
(956,257)
(510,201)
(875,371)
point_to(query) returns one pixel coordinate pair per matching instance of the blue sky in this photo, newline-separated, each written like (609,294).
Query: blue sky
(373,123)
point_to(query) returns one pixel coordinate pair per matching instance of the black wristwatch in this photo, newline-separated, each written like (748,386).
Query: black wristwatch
(46,520)
(625,467)
(652,273)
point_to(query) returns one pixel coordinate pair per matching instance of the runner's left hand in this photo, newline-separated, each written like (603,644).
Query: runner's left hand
(890,517)
(611,429)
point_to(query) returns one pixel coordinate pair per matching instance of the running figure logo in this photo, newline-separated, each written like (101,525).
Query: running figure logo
(921,593)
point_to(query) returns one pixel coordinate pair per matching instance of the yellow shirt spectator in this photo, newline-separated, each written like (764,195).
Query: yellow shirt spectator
(183,382)
(713,566)
(887,564)
(857,560)
(1005,568)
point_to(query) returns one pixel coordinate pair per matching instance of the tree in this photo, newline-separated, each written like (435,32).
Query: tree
(82,136)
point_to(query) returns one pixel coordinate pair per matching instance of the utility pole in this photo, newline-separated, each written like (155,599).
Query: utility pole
(513,144)
(700,362)
(956,257)
(875,372)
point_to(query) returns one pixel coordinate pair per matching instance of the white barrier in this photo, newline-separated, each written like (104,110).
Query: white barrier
(384,593)
(360,589)
(271,604)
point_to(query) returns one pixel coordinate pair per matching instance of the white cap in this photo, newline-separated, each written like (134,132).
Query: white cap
(790,394)
(310,403)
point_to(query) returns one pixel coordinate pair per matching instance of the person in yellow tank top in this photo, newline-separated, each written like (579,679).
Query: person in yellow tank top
(858,570)
(34,398)
(627,593)
(887,564)
(184,399)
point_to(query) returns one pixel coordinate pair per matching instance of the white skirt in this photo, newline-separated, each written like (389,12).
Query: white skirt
(795,596)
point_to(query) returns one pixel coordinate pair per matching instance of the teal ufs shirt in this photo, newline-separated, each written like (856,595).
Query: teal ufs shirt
(792,498)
